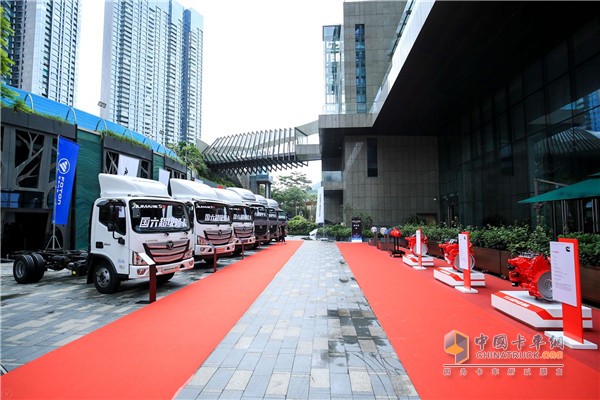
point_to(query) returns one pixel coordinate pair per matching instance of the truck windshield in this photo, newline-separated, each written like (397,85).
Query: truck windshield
(281,215)
(240,214)
(272,213)
(259,212)
(212,213)
(148,216)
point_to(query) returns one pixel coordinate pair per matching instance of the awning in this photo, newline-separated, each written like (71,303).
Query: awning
(580,190)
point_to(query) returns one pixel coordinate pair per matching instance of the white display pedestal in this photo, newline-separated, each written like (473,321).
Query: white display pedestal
(536,313)
(452,277)
(413,261)
(570,343)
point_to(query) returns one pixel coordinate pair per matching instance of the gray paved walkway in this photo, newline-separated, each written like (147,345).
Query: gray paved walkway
(310,335)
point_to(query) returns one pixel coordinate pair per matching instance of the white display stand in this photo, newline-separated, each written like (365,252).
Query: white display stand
(452,277)
(413,261)
(570,343)
(536,313)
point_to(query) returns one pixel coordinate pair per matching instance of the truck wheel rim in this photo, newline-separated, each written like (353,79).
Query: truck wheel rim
(103,277)
(20,269)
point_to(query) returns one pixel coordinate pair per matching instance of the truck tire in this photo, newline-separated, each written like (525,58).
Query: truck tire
(160,279)
(105,278)
(23,268)
(40,267)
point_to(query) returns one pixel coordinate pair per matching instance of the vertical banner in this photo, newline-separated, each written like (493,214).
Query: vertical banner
(419,249)
(320,217)
(66,164)
(463,257)
(566,285)
(356,229)
(128,166)
(164,176)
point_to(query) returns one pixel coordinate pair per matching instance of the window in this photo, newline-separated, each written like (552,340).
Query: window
(372,158)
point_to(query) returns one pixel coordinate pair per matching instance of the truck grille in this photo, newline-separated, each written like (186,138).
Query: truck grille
(218,237)
(273,229)
(167,252)
(243,232)
(260,230)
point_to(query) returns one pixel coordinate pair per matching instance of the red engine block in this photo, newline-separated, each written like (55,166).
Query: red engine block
(451,254)
(533,274)
(412,244)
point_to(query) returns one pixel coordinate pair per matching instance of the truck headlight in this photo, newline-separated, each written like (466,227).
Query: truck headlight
(188,253)
(201,241)
(137,260)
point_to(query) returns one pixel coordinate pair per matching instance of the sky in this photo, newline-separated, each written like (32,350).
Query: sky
(262,70)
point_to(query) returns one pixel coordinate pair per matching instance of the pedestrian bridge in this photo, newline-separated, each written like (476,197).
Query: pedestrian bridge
(255,152)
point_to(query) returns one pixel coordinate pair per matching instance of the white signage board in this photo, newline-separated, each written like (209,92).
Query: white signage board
(463,251)
(320,217)
(562,261)
(418,246)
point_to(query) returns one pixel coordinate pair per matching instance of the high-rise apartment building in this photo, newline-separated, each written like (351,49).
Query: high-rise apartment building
(45,47)
(152,69)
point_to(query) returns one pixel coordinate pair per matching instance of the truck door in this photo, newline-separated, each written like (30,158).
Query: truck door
(110,234)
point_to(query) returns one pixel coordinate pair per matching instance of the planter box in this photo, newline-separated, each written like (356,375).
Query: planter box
(504,257)
(487,260)
(433,249)
(590,282)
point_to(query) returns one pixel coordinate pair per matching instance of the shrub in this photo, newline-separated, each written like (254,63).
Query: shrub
(589,247)
(300,226)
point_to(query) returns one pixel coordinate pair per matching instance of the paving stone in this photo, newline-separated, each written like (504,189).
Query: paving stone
(310,335)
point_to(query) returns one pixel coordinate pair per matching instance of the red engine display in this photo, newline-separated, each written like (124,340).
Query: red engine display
(532,273)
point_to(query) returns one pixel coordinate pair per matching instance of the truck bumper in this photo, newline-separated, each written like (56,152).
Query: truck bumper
(143,271)
(203,251)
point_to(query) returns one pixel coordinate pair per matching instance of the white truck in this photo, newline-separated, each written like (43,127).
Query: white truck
(241,219)
(259,215)
(133,222)
(211,222)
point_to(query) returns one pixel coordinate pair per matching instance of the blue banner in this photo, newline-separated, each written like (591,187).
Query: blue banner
(66,163)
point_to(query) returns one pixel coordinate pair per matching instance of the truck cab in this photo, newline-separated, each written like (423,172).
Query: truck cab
(133,224)
(259,215)
(274,224)
(211,221)
(241,219)
(282,218)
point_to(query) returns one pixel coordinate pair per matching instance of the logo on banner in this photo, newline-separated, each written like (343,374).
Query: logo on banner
(64,166)
(457,344)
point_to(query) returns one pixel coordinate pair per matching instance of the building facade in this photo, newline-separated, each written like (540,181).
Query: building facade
(152,69)
(477,106)
(45,47)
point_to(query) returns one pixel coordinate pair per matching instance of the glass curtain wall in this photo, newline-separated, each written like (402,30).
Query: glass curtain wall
(542,125)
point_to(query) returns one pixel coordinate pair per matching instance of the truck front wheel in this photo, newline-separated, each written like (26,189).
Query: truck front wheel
(105,279)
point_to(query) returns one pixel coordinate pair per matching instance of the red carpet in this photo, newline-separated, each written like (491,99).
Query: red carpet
(152,352)
(417,311)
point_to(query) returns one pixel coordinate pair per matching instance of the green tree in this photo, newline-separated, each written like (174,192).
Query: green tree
(6,62)
(292,192)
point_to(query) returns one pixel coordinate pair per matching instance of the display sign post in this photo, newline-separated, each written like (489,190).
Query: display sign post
(419,249)
(566,288)
(356,230)
(464,259)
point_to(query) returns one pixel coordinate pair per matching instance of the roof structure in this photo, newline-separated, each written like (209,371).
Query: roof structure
(256,152)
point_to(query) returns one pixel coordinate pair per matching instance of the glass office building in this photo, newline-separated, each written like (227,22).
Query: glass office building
(481,105)
(152,71)
(44,47)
